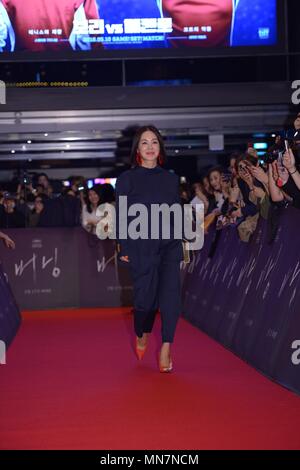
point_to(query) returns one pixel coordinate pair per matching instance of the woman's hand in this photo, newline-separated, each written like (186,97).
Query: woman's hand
(9,243)
(279,171)
(289,161)
(93,222)
(124,258)
(248,178)
(273,171)
(259,174)
(234,194)
(283,173)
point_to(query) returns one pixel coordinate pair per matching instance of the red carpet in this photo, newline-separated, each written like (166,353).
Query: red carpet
(72,382)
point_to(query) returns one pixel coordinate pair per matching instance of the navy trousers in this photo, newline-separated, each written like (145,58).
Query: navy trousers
(156,284)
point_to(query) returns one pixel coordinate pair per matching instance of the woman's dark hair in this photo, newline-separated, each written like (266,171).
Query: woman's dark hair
(107,193)
(251,159)
(96,190)
(43,174)
(136,140)
(218,169)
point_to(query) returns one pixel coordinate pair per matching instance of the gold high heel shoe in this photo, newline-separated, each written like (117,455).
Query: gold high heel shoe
(165,368)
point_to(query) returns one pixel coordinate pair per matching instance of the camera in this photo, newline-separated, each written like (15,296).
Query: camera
(25,178)
(272,155)
(284,141)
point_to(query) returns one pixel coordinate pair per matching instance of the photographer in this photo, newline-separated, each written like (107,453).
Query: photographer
(249,196)
(290,164)
(275,174)
(284,177)
(253,185)
(43,180)
(285,170)
(10,216)
(25,190)
(219,188)
(35,214)
(286,184)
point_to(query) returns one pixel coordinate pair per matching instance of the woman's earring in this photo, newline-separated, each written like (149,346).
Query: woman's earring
(160,160)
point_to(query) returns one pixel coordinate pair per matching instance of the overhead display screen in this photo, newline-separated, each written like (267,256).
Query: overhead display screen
(97,25)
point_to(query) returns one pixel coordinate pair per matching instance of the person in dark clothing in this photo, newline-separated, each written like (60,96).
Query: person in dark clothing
(10,216)
(35,214)
(154,263)
(292,186)
(285,181)
(249,186)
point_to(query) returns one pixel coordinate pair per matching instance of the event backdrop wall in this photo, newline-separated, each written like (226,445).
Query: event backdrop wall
(10,318)
(61,268)
(247,296)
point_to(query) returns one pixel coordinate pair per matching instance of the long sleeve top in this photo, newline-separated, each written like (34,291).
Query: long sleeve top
(291,189)
(89,220)
(147,186)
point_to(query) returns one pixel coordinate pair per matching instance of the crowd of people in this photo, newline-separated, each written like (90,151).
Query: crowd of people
(36,204)
(237,195)
(248,189)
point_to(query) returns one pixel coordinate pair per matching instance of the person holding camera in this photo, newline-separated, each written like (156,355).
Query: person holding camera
(289,162)
(35,213)
(285,180)
(10,215)
(283,173)
(248,195)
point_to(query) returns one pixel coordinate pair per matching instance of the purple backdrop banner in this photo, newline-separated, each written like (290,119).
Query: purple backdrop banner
(61,268)
(10,318)
(247,296)
(102,280)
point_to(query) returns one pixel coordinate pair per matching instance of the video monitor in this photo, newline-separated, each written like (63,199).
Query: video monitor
(41,28)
